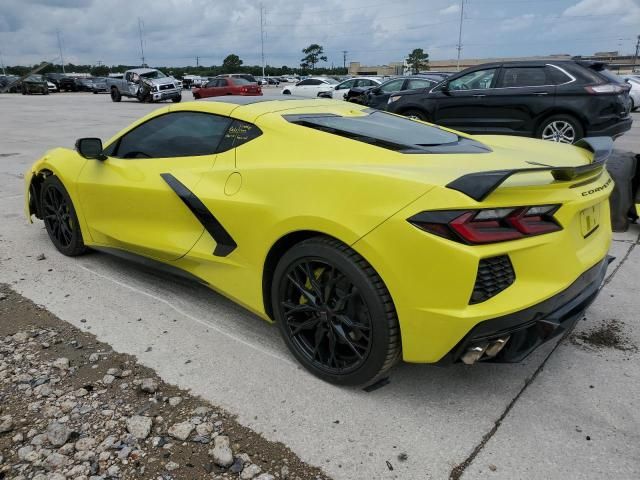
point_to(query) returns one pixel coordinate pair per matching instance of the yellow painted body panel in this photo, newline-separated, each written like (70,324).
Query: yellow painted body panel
(293,179)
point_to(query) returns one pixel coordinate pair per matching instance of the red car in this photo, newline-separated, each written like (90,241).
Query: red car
(227,86)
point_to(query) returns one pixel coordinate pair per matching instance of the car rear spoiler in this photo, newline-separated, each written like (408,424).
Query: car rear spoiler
(479,185)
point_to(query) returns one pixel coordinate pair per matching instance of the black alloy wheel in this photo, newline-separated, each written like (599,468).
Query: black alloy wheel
(60,218)
(334,313)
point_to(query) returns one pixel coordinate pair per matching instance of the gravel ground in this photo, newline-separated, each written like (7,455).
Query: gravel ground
(71,407)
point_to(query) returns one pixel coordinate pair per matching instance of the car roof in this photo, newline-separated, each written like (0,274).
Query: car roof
(249,108)
(143,70)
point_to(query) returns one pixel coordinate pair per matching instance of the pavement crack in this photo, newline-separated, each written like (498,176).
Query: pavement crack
(457,471)
(623,261)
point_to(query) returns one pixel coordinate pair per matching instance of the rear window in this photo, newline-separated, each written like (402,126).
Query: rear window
(523,77)
(609,75)
(241,81)
(378,128)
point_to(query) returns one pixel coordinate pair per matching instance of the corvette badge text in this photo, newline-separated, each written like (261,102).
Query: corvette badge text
(597,189)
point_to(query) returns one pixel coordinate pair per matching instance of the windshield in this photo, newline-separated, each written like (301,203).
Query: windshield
(35,78)
(153,74)
(378,128)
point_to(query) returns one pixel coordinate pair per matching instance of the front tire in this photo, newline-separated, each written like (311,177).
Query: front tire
(335,313)
(560,128)
(60,218)
(115,94)
(176,99)
(286,92)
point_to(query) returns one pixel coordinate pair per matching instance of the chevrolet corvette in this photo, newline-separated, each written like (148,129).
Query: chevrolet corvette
(365,236)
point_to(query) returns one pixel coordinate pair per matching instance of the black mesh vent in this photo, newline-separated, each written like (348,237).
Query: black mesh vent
(494,275)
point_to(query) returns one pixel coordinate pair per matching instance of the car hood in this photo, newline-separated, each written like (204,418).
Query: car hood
(162,81)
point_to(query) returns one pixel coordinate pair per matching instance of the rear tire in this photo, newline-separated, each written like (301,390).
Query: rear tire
(335,313)
(560,128)
(60,218)
(415,114)
(115,95)
(176,99)
(286,92)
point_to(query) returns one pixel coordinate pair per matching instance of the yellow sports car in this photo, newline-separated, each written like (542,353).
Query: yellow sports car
(367,237)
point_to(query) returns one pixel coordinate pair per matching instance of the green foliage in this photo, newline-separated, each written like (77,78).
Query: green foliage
(418,60)
(231,63)
(314,53)
(100,71)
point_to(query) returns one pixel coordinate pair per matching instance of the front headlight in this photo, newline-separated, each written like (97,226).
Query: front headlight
(155,88)
(394,98)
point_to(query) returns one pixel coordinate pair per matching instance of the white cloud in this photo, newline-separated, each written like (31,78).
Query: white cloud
(454,8)
(626,11)
(517,23)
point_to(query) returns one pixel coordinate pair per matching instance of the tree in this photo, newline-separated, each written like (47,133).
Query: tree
(314,53)
(418,60)
(231,64)
(100,71)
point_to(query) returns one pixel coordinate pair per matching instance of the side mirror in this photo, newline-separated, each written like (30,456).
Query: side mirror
(90,148)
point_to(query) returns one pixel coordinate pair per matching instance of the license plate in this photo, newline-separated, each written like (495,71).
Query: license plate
(590,220)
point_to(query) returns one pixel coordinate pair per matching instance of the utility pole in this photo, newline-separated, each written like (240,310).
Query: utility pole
(60,48)
(141,45)
(635,57)
(2,64)
(262,20)
(197,61)
(344,58)
(460,33)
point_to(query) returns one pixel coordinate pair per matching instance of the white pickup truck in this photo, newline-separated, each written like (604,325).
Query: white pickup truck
(145,84)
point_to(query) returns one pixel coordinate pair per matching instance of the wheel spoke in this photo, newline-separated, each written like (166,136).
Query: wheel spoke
(291,308)
(306,325)
(310,276)
(343,336)
(305,293)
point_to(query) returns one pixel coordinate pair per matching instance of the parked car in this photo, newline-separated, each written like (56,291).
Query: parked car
(310,87)
(273,81)
(34,84)
(339,92)
(54,78)
(145,84)
(365,237)
(10,82)
(84,84)
(227,86)
(51,87)
(68,84)
(561,101)
(377,97)
(99,85)
(634,92)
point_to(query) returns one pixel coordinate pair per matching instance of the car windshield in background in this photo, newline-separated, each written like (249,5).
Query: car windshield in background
(154,74)
(331,81)
(34,78)
(378,128)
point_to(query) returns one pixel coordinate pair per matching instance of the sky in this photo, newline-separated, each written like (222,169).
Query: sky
(372,32)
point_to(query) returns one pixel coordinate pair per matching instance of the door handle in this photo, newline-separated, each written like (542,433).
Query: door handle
(541,93)
(479,95)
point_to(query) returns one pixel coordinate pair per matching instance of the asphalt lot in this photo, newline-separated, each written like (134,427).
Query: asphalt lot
(568,411)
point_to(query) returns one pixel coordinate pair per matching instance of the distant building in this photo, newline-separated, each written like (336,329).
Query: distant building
(617,63)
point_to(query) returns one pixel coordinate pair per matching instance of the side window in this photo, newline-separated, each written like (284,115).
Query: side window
(524,77)
(315,82)
(223,82)
(238,134)
(347,84)
(480,79)
(392,86)
(556,75)
(303,83)
(177,134)
(128,76)
(415,84)
(210,84)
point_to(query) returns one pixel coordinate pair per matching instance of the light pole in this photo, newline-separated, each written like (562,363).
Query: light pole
(460,33)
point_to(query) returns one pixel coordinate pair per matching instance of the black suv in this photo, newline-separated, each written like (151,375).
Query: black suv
(560,101)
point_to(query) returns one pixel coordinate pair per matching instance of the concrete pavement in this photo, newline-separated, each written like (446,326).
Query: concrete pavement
(437,417)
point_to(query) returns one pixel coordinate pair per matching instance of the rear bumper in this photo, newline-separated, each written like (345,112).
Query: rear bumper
(614,130)
(533,326)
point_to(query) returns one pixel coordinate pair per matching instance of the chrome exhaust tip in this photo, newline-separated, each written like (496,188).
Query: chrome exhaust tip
(473,354)
(494,348)
(489,349)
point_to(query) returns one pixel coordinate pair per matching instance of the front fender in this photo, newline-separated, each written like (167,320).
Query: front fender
(65,164)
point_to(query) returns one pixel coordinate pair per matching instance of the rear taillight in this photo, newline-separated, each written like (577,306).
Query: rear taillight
(605,89)
(490,225)
(245,89)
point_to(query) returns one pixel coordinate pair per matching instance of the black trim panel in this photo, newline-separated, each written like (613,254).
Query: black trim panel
(224,242)
(479,185)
